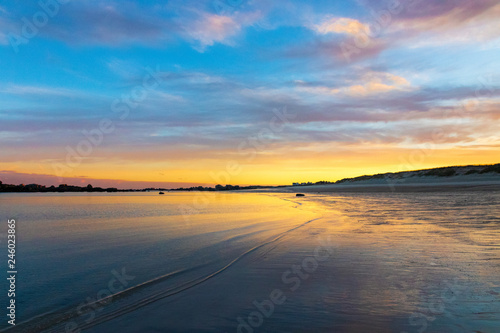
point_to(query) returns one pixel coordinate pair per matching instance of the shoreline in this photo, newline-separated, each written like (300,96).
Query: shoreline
(388,187)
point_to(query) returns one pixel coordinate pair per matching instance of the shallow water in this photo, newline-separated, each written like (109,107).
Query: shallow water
(413,262)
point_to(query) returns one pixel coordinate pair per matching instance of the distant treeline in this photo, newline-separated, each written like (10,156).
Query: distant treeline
(224,188)
(60,188)
(90,188)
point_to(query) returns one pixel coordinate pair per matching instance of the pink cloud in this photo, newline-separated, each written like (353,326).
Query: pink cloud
(209,28)
(369,84)
(469,22)
(341,25)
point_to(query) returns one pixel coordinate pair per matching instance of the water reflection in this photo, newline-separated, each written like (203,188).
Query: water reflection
(414,262)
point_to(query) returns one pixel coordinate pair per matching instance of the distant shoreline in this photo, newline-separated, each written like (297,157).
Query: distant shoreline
(456,186)
(446,178)
(395,188)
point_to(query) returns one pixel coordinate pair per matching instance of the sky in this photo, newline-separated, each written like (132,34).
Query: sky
(179,93)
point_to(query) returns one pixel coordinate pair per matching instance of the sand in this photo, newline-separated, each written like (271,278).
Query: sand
(261,262)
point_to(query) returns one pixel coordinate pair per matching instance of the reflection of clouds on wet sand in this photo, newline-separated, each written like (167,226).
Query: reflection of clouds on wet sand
(424,258)
(401,261)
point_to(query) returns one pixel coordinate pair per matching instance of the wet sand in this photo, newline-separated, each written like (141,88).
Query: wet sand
(399,187)
(369,263)
(273,262)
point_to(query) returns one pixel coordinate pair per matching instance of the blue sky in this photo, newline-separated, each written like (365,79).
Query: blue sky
(370,86)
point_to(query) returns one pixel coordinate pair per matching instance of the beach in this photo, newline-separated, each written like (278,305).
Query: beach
(405,183)
(250,166)
(258,262)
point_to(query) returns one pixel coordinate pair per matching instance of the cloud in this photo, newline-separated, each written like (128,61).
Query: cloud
(376,82)
(458,22)
(191,78)
(38,90)
(415,24)
(460,10)
(422,23)
(336,52)
(370,83)
(120,23)
(107,23)
(339,40)
(209,28)
(163,97)
(342,25)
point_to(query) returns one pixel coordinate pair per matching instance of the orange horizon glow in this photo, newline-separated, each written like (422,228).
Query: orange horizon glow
(264,171)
